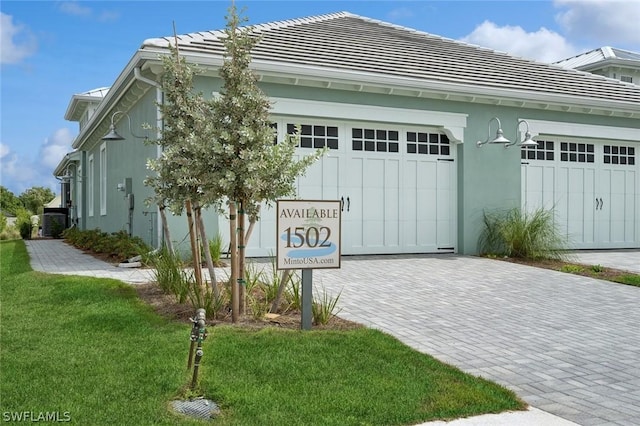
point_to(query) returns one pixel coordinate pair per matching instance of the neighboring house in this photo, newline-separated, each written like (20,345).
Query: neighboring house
(402,112)
(609,62)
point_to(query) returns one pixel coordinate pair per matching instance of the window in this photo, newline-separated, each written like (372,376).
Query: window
(428,143)
(374,140)
(316,136)
(626,78)
(577,152)
(544,151)
(625,155)
(90,187)
(103,179)
(78,202)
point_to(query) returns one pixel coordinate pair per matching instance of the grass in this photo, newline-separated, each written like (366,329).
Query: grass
(91,348)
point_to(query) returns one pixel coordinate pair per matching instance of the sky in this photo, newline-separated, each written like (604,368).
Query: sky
(51,50)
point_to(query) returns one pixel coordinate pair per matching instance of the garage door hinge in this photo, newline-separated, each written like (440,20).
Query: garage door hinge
(446,248)
(445,159)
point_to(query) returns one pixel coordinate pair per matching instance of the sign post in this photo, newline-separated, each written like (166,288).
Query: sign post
(308,233)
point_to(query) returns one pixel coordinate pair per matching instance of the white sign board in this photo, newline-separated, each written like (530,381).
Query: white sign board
(308,234)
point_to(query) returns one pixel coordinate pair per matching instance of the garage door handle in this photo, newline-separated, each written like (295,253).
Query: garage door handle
(348,203)
(341,204)
(601,203)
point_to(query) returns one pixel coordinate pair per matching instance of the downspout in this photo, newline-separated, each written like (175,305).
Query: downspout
(159,99)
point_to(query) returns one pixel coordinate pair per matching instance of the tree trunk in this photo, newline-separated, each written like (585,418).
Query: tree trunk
(233,249)
(205,246)
(165,228)
(283,284)
(197,268)
(252,222)
(241,259)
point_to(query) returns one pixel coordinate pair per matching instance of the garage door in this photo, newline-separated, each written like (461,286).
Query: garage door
(396,186)
(593,187)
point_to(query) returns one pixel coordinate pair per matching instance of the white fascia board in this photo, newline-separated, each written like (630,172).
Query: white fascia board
(557,128)
(453,123)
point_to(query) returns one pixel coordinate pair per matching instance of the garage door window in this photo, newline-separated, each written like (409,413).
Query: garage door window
(543,151)
(577,152)
(625,155)
(379,140)
(428,143)
(316,136)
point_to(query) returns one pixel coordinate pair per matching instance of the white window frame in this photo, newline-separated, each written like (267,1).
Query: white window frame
(90,186)
(78,203)
(103,179)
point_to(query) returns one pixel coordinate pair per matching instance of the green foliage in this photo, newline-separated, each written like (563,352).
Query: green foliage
(56,227)
(522,235)
(118,245)
(35,198)
(3,222)
(572,269)
(324,307)
(597,268)
(9,233)
(629,279)
(216,247)
(168,270)
(9,203)
(24,224)
(293,293)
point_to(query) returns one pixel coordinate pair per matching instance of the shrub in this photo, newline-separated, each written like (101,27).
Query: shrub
(3,222)
(9,233)
(323,308)
(522,235)
(215,248)
(24,224)
(118,245)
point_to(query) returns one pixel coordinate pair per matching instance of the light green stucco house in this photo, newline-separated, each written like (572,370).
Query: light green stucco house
(402,112)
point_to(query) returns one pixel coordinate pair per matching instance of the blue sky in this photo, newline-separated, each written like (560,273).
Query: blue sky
(51,50)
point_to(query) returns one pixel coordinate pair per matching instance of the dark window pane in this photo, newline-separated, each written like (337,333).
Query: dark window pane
(393,146)
(590,147)
(332,143)
(411,148)
(523,154)
(319,142)
(614,160)
(369,146)
(531,155)
(381,146)
(572,157)
(393,135)
(422,149)
(318,130)
(607,149)
(381,134)
(411,137)
(573,147)
(369,133)
(291,128)
(356,133)
(549,145)
(623,160)
(433,149)
(581,147)
(623,150)
(444,150)
(563,146)
(614,149)
(357,145)
(332,131)
(540,155)
(306,129)
(550,156)
(607,159)
(632,150)
(444,139)
(433,138)
(422,137)
(581,158)
(632,161)
(305,142)
(564,156)
(590,158)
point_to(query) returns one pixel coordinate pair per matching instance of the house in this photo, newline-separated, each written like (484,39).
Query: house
(607,61)
(411,120)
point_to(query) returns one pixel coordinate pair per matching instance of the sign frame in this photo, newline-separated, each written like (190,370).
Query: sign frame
(308,234)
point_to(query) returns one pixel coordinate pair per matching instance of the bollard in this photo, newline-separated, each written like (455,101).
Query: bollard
(198,334)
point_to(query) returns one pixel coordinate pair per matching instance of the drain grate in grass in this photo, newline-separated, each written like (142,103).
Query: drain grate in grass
(200,408)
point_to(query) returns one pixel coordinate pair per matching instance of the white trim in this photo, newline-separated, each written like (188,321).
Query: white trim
(103,179)
(78,194)
(90,185)
(452,123)
(556,128)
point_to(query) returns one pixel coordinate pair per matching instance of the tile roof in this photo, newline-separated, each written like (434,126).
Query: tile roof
(601,54)
(357,45)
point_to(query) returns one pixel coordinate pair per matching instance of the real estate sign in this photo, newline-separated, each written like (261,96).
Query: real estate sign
(308,233)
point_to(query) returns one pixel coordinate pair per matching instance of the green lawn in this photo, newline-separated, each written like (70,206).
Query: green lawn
(90,348)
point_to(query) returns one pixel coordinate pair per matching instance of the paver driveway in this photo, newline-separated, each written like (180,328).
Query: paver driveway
(568,345)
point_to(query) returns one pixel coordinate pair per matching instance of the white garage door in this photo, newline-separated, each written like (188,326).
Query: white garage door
(396,184)
(593,187)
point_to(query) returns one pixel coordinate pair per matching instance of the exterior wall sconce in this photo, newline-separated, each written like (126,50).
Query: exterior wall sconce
(499,135)
(113,135)
(527,137)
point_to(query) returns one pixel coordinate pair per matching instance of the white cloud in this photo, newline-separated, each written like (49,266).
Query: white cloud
(606,22)
(16,41)
(542,45)
(75,8)
(55,147)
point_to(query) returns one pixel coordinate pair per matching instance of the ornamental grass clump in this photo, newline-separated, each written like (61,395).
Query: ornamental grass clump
(525,235)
